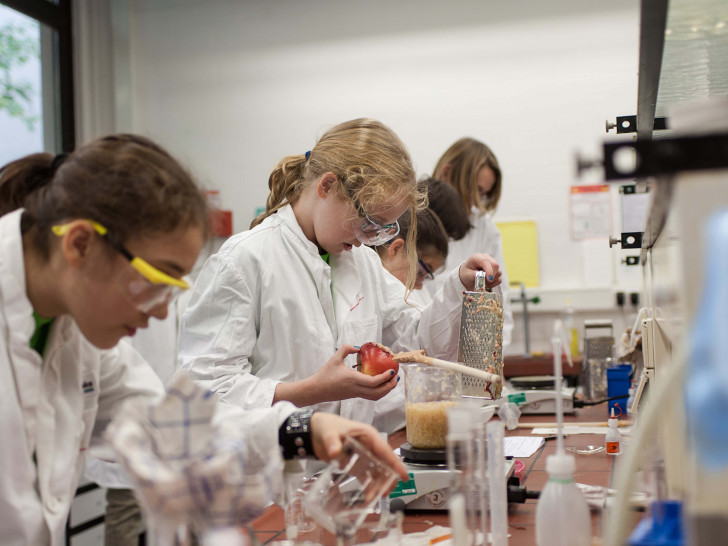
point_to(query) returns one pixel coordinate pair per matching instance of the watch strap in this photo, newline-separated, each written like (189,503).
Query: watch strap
(294,435)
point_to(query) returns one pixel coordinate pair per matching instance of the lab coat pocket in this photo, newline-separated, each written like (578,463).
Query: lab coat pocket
(358,332)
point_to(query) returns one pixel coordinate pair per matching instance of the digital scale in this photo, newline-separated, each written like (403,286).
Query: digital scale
(429,485)
(535,394)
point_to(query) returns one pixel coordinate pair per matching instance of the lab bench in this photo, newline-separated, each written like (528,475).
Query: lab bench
(520,365)
(594,469)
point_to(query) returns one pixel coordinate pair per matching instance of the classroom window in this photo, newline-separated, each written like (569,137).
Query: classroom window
(36,76)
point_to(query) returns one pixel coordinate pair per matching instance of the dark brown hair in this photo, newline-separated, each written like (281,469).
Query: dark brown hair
(127,183)
(446,203)
(431,233)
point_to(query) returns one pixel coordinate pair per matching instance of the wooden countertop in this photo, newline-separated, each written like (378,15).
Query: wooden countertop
(593,469)
(516,366)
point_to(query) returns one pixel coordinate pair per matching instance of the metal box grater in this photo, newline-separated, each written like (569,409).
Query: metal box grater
(481,339)
(598,346)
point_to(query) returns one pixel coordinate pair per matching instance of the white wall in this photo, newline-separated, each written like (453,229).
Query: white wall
(233,86)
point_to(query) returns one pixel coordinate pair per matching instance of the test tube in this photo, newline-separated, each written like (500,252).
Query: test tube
(497,480)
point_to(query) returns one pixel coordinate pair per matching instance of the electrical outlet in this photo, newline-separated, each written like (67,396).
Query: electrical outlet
(620,299)
(634,298)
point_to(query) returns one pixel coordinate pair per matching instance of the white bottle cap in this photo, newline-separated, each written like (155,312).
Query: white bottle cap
(562,465)
(612,421)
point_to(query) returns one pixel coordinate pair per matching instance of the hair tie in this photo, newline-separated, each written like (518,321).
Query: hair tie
(57,161)
(308,154)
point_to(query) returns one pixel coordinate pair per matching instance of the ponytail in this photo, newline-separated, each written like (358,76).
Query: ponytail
(127,183)
(21,178)
(285,183)
(369,160)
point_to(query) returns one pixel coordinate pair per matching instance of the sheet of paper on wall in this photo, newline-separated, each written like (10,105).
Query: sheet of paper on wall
(591,212)
(634,211)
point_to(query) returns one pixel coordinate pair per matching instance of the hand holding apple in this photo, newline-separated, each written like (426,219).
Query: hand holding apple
(375,358)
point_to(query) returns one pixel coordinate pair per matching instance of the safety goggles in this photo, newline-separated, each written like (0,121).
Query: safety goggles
(146,286)
(371,233)
(423,272)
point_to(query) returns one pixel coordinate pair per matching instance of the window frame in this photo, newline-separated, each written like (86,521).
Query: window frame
(57,16)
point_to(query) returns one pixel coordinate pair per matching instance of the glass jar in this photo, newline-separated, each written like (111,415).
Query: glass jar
(429,392)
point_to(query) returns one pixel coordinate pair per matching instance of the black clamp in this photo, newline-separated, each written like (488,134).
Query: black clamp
(628,124)
(629,239)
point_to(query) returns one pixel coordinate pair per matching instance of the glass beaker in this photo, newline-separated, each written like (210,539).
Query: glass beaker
(374,527)
(300,526)
(354,482)
(429,391)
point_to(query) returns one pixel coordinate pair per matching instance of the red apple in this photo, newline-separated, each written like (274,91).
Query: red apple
(374,358)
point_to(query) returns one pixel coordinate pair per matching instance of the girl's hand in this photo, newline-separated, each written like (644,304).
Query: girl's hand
(328,432)
(480,262)
(337,381)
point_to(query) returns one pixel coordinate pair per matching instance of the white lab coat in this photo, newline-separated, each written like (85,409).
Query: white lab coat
(158,346)
(484,238)
(264,310)
(52,409)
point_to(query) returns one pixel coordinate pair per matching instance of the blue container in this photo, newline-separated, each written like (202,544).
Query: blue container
(663,527)
(618,385)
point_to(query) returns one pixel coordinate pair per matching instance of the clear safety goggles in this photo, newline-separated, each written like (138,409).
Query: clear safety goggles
(146,286)
(371,233)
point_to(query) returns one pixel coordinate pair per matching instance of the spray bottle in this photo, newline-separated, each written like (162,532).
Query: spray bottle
(562,514)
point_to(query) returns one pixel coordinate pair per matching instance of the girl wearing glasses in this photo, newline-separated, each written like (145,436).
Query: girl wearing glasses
(270,309)
(472,169)
(92,246)
(431,247)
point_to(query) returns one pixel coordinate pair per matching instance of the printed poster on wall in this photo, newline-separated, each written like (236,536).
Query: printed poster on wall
(591,212)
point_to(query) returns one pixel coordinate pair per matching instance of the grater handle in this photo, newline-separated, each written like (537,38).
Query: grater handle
(467,370)
(421,358)
(480,285)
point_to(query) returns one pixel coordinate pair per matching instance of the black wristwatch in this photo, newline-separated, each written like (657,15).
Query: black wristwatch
(294,436)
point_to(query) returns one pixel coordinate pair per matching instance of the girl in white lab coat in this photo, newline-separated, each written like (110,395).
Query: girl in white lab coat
(472,169)
(431,247)
(92,246)
(270,309)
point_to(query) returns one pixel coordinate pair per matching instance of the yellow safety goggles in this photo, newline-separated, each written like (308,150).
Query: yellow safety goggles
(146,285)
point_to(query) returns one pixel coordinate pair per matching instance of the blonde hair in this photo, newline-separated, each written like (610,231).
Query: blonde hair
(371,163)
(466,157)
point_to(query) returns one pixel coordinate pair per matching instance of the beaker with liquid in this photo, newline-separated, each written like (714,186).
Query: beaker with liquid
(429,392)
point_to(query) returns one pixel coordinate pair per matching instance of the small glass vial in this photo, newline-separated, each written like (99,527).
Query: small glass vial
(614,437)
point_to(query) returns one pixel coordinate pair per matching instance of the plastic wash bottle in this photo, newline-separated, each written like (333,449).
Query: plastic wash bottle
(562,514)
